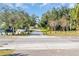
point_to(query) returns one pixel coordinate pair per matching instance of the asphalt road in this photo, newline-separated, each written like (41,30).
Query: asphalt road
(40,45)
(36,32)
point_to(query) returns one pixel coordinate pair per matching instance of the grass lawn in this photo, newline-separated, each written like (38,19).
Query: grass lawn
(6,52)
(60,33)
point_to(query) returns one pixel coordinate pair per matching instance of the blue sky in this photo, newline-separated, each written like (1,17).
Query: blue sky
(37,9)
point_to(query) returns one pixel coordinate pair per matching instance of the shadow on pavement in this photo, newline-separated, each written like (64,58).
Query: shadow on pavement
(17,54)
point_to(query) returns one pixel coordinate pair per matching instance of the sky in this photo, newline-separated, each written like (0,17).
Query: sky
(38,8)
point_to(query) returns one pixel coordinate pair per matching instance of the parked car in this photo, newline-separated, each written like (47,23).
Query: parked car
(20,31)
(2,32)
(9,31)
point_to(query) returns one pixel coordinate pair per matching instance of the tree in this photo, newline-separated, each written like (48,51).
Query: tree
(74,15)
(15,19)
(52,18)
(33,20)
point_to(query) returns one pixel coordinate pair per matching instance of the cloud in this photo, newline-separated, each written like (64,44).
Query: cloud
(15,5)
(72,5)
(18,5)
(43,4)
(33,4)
(23,6)
(69,5)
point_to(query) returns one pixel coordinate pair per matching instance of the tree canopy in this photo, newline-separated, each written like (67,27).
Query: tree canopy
(64,17)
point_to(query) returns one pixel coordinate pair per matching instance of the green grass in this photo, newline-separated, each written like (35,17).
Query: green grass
(6,52)
(60,33)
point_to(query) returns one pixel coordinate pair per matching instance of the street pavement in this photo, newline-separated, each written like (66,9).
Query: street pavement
(36,32)
(38,44)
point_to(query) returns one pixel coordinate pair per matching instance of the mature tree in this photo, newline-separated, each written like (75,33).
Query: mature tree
(74,17)
(33,20)
(15,19)
(52,18)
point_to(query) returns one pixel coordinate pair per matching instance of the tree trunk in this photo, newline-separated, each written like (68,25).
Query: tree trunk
(13,30)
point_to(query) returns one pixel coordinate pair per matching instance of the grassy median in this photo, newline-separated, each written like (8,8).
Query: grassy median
(6,52)
(60,33)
